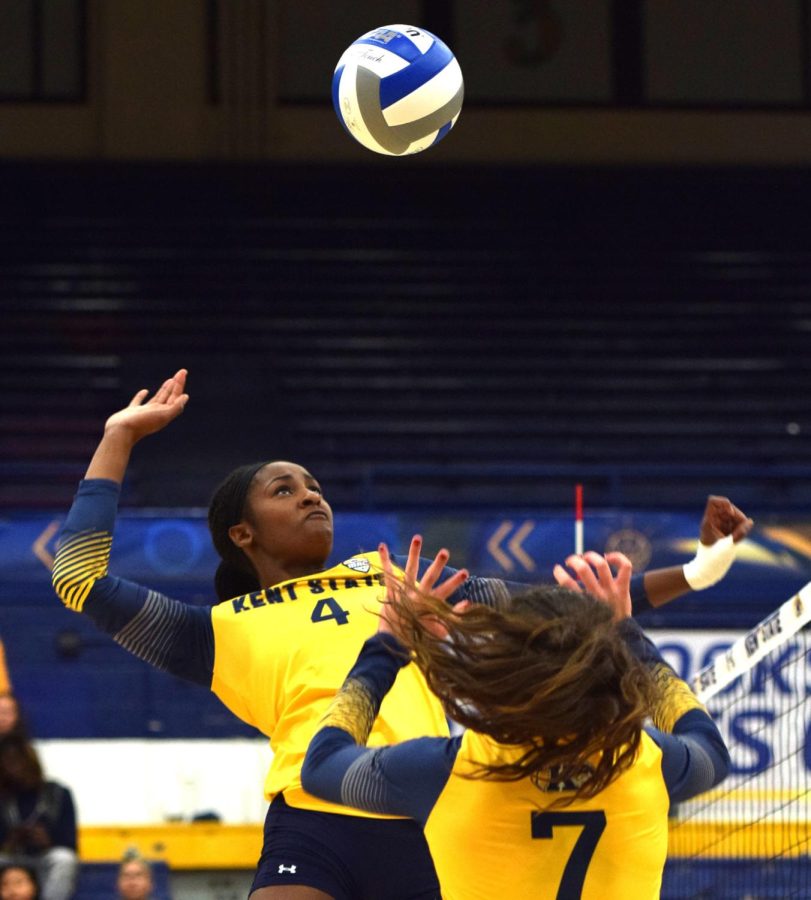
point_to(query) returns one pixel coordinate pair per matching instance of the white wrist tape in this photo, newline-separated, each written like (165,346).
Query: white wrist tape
(710,563)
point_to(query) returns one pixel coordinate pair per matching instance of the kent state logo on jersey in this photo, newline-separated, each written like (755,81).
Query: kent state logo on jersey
(311,587)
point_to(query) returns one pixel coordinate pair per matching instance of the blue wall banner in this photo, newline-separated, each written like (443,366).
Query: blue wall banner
(76,682)
(174,553)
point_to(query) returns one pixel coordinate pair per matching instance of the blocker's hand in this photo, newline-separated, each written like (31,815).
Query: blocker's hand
(417,592)
(593,574)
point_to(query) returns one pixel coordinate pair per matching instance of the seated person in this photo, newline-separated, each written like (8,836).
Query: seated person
(37,820)
(18,883)
(5,678)
(134,878)
(11,717)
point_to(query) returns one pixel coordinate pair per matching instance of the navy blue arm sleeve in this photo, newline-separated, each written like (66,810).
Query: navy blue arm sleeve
(694,755)
(639,596)
(496,592)
(172,636)
(403,779)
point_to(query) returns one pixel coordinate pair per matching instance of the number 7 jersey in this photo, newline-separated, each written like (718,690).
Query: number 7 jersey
(611,846)
(493,839)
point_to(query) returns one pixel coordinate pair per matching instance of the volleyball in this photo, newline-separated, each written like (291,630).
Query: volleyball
(397,90)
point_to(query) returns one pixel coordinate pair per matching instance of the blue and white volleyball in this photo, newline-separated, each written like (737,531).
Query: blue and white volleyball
(397,90)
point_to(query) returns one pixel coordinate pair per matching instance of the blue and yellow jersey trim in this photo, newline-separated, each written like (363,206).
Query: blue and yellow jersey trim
(353,710)
(80,562)
(675,698)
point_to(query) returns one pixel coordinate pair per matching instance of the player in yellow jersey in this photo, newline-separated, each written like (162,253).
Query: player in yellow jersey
(278,646)
(556,789)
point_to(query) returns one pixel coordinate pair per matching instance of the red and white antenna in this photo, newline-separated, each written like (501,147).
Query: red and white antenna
(578,518)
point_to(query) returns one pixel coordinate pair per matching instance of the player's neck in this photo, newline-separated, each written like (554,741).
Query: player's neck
(272,571)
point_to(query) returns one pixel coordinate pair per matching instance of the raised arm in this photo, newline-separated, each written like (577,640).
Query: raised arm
(141,417)
(170,635)
(694,755)
(722,527)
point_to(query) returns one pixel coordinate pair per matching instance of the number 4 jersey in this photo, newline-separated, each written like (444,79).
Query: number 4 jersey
(275,657)
(282,653)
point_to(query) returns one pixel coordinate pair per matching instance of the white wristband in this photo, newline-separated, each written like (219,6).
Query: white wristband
(710,563)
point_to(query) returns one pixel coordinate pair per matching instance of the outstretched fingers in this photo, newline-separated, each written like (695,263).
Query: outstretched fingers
(564,579)
(594,574)
(412,566)
(428,583)
(417,590)
(431,575)
(170,394)
(584,573)
(389,578)
(171,389)
(624,570)
(139,397)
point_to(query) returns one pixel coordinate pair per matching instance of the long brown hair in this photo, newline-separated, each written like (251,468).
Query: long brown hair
(28,773)
(551,675)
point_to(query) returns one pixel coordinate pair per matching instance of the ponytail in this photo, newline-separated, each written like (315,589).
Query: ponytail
(230,581)
(235,574)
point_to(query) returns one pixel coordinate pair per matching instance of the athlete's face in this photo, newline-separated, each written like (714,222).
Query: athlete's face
(287,519)
(17,884)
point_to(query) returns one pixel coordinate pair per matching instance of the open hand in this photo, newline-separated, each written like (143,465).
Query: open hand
(593,574)
(142,417)
(417,591)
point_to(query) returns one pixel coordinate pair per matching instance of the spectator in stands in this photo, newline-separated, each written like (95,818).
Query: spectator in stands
(5,678)
(276,650)
(12,720)
(37,820)
(134,878)
(555,689)
(11,717)
(19,882)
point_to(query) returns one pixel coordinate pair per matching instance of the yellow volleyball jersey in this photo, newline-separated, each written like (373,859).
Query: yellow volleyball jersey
(281,654)
(496,839)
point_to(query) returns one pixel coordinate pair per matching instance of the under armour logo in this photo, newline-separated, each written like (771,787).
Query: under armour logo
(283,868)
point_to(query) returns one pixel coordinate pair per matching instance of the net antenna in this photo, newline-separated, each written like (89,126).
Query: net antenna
(751,836)
(578,519)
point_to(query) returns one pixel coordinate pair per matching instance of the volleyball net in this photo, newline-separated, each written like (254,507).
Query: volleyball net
(749,838)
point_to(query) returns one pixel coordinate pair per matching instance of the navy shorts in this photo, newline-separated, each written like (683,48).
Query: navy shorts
(349,857)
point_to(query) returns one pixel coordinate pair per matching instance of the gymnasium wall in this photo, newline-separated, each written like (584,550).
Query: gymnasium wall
(641,82)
